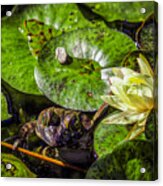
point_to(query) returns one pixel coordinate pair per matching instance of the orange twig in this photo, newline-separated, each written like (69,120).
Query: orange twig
(45,158)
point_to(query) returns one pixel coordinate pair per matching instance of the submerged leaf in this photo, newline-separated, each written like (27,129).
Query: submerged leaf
(147,34)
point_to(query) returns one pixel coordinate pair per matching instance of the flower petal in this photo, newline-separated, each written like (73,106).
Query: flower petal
(121,92)
(139,80)
(115,102)
(128,72)
(137,129)
(140,90)
(106,73)
(144,66)
(124,118)
(118,72)
(141,103)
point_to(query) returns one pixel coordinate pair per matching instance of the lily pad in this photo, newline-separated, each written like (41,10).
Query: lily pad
(125,162)
(4,113)
(127,11)
(18,67)
(16,168)
(79,83)
(108,137)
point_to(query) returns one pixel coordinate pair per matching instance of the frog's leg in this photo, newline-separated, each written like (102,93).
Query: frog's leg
(48,151)
(24,133)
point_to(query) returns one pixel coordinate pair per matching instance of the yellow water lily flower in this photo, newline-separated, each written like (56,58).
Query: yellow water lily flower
(132,95)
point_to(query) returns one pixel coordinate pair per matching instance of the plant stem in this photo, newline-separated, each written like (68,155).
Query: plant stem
(45,158)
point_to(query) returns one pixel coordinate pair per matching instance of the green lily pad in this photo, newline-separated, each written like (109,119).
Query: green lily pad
(79,83)
(17,62)
(4,113)
(130,11)
(125,162)
(17,167)
(108,137)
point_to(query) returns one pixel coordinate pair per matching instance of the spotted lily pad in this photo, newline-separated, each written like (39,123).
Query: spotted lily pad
(18,67)
(79,82)
(14,167)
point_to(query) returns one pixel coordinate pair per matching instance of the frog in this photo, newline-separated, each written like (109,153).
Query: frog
(58,126)
(69,130)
